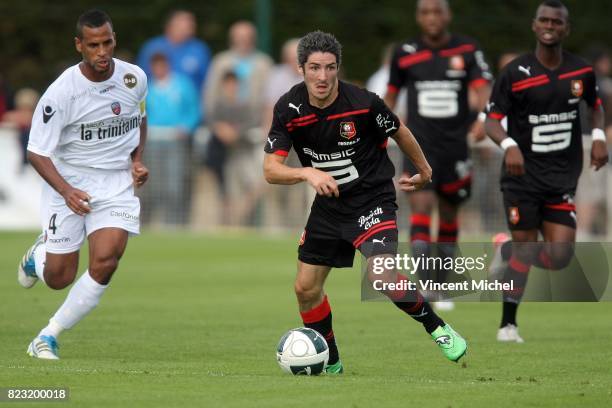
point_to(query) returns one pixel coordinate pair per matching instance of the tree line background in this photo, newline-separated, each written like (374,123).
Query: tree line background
(36,37)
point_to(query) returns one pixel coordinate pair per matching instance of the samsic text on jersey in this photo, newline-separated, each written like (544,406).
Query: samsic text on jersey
(544,119)
(437,81)
(347,139)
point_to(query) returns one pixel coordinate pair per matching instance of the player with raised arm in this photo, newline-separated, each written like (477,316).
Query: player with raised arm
(447,80)
(340,132)
(86,142)
(540,93)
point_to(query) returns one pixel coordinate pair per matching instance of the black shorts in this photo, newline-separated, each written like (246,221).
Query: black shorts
(451,177)
(330,239)
(527,210)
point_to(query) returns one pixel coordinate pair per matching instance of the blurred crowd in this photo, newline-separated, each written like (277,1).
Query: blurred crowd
(208,116)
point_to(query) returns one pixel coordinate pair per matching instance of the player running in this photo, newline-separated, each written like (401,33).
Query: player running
(340,132)
(440,70)
(87,140)
(540,94)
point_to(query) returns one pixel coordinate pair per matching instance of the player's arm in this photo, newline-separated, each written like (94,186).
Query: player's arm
(76,199)
(140,173)
(599,149)
(391,98)
(277,172)
(396,79)
(513,158)
(410,147)
(478,97)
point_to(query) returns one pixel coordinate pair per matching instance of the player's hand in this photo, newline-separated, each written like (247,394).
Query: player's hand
(599,154)
(514,161)
(140,174)
(413,183)
(477,131)
(323,183)
(77,200)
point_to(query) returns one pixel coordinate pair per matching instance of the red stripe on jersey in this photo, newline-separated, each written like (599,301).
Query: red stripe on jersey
(302,119)
(318,313)
(421,220)
(598,103)
(420,236)
(495,115)
(291,126)
(561,207)
(477,83)
(450,188)
(385,225)
(283,153)
(345,114)
(383,145)
(576,73)
(522,85)
(462,49)
(392,89)
(416,58)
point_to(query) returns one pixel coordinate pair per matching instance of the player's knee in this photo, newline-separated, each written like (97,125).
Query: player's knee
(561,259)
(102,269)
(307,293)
(59,277)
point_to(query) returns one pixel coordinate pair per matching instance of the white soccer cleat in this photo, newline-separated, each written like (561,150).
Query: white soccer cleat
(26,270)
(444,305)
(44,347)
(509,334)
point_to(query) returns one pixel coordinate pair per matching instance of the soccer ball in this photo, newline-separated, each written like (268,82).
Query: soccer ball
(302,351)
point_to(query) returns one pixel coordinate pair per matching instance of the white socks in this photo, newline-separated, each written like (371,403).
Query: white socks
(40,253)
(83,297)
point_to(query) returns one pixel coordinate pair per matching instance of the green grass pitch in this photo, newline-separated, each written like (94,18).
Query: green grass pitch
(193,320)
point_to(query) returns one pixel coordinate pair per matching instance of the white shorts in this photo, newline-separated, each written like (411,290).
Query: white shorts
(113,205)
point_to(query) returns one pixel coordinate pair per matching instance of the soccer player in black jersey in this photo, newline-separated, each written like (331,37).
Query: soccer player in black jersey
(539,93)
(443,72)
(340,132)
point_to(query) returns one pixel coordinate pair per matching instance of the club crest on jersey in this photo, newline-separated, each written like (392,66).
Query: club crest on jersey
(348,130)
(513,215)
(130,80)
(577,87)
(456,63)
(116,108)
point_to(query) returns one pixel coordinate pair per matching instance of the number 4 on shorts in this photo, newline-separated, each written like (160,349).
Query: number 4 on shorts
(52,226)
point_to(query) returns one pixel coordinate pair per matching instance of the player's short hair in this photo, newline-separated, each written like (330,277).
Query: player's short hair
(92,18)
(318,41)
(555,4)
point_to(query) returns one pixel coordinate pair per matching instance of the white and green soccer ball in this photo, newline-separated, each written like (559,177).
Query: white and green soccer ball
(302,351)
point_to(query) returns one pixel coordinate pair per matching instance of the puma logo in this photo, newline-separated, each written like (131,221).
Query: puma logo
(271,142)
(391,129)
(527,70)
(423,313)
(379,241)
(443,340)
(297,108)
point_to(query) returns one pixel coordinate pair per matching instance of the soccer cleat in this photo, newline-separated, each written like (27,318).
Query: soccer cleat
(44,347)
(509,334)
(498,266)
(443,305)
(26,270)
(336,368)
(452,345)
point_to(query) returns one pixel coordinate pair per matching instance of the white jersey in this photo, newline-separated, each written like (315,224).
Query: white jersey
(81,123)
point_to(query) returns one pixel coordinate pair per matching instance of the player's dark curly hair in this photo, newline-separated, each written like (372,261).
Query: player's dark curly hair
(318,41)
(92,18)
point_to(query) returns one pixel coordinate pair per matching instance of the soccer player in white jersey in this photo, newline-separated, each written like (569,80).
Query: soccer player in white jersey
(86,141)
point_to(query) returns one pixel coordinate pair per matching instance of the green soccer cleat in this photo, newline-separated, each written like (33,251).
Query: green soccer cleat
(453,346)
(336,368)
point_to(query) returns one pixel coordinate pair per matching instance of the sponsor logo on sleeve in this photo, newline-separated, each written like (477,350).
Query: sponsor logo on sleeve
(130,80)
(48,113)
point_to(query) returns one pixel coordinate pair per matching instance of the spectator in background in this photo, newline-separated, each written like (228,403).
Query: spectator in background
(173,115)
(187,55)
(252,69)
(21,118)
(232,123)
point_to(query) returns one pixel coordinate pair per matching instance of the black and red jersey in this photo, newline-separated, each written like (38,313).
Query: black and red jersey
(437,81)
(347,139)
(543,113)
